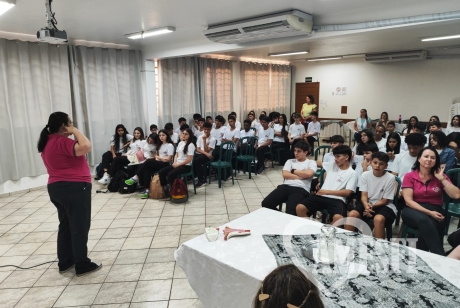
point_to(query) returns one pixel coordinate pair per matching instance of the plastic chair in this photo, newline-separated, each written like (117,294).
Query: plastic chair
(451,206)
(324,212)
(247,156)
(253,128)
(225,163)
(270,153)
(322,149)
(184,176)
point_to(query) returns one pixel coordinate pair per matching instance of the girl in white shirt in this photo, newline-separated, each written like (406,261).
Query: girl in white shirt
(454,126)
(182,161)
(281,129)
(393,148)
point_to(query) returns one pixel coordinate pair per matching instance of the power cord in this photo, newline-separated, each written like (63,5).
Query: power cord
(25,268)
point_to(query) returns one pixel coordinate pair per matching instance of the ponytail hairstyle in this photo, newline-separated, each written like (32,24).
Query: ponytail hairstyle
(190,140)
(140,131)
(116,138)
(55,121)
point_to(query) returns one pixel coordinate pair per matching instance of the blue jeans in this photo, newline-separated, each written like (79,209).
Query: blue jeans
(357,137)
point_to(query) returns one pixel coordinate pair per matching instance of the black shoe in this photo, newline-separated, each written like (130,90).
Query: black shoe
(260,170)
(200,184)
(93,267)
(65,269)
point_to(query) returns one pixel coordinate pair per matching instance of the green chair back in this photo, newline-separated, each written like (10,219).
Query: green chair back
(184,176)
(224,162)
(451,206)
(229,148)
(323,149)
(253,128)
(249,149)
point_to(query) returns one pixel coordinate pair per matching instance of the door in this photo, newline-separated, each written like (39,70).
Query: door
(301,91)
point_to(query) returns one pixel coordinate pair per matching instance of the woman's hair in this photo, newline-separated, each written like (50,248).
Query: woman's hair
(361,144)
(55,121)
(409,126)
(454,137)
(436,117)
(263,112)
(116,137)
(140,130)
(384,113)
(452,120)
(440,138)
(437,164)
(312,99)
(159,143)
(190,140)
(397,149)
(292,120)
(284,133)
(366,116)
(288,285)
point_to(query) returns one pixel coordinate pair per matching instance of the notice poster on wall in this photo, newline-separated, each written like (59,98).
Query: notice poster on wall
(341,91)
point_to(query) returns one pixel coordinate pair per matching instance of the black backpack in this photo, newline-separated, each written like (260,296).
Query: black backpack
(117,181)
(125,188)
(99,172)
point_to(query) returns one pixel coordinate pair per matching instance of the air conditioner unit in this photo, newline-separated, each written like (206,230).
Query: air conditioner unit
(278,25)
(396,56)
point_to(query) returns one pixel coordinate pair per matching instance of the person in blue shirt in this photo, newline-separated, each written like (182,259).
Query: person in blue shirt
(440,142)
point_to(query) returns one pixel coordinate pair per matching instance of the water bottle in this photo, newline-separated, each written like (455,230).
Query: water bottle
(399,119)
(326,245)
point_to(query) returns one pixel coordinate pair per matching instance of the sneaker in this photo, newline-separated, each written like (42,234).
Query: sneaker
(130,181)
(65,270)
(145,195)
(93,267)
(200,184)
(105,179)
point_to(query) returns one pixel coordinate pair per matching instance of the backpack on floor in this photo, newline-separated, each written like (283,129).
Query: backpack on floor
(116,181)
(178,191)
(125,188)
(156,190)
(99,171)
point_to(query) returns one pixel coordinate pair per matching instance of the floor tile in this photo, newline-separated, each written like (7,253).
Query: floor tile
(124,272)
(105,257)
(159,304)
(161,255)
(37,237)
(109,244)
(48,248)
(116,233)
(181,289)
(185,303)
(16,260)
(123,223)
(165,241)
(168,230)
(113,293)
(78,295)
(9,297)
(52,277)
(96,277)
(21,279)
(137,243)
(40,297)
(12,238)
(22,249)
(153,271)
(193,220)
(143,292)
(4,275)
(170,221)
(132,256)
(34,260)
(142,232)
(5,248)
(146,222)
(178,272)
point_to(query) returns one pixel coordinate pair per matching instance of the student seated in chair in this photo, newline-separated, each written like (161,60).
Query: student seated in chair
(204,147)
(297,174)
(296,131)
(339,184)
(218,133)
(377,192)
(266,135)
(246,132)
(336,140)
(313,130)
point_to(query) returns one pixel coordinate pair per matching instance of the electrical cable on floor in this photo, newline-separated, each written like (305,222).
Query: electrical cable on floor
(25,268)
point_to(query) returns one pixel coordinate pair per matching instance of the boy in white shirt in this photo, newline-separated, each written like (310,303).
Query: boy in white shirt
(200,129)
(204,146)
(265,135)
(170,129)
(297,174)
(377,193)
(237,123)
(379,138)
(313,130)
(404,162)
(296,131)
(339,184)
(336,140)
(195,125)
(218,133)
(181,121)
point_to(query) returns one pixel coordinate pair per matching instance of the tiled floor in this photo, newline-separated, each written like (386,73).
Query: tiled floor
(134,239)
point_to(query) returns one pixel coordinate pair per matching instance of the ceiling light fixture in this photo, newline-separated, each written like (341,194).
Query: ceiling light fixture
(152,32)
(438,38)
(5,5)
(323,59)
(280,54)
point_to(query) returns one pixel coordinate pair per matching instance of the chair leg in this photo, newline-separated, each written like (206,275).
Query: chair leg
(398,217)
(249,168)
(389,231)
(209,174)
(219,179)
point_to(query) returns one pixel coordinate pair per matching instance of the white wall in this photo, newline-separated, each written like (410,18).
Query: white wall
(421,88)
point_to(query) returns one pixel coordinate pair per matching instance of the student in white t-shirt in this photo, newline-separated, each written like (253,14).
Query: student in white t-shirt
(296,131)
(339,184)
(377,193)
(254,122)
(170,129)
(232,133)
(204,147)
(454,126)
(363,164)
(200,130)
(379,139)
(182,161)
(181,121)
(313,130)
(336,140)
(297,174)
(281,131)
(265,135)
(246,132)
(237,123)
(393,148)
(419,128)
(118,145)
(195,125)
(218,133)
(404,162)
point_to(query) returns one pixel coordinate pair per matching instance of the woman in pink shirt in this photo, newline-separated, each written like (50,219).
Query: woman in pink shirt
(69,188)
(422,190)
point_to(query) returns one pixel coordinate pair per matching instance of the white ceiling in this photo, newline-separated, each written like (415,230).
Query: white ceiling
(106,21)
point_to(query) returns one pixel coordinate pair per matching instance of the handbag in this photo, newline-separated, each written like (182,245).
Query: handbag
(156,190)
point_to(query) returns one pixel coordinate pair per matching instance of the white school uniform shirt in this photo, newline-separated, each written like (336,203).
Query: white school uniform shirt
(382,145)
(328,157)
(337,179)
(265,134)
(237,125)
(451,129)
(249,133)
(175,138)
(210,142)
(177,130)
(359,168)
(304,165)
(391,161)
(230,134)
(181,156)
(403,163)
(128,139)
(165,150)
(198,133)
(277,128)
(314,127)
(427,143)
(148,149)
(255,124)
(379,188)
(134,146)
(403,143)
(218,134)
(296,130)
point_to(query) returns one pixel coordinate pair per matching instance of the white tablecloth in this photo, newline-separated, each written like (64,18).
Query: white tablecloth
(331,129)
(228,273)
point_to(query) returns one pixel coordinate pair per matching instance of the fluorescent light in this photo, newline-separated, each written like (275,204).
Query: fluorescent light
(287,53)
(324,59)
(438,38)
(148,33)
(5,5)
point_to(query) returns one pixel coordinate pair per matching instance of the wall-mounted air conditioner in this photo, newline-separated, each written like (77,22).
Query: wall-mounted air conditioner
(396,56)
(278,25)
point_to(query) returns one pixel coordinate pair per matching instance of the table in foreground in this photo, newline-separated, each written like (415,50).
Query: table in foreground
(228,273)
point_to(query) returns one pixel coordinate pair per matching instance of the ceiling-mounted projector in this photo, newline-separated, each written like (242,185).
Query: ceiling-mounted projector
(51,34)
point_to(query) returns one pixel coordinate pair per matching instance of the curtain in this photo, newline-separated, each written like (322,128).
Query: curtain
(179,86)
(216,87)
(265,87)
(34,82)
(106,91)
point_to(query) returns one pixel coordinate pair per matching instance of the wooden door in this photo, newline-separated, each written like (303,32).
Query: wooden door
(301,91)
